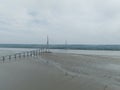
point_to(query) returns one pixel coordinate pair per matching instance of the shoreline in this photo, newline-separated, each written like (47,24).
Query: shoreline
(57,71)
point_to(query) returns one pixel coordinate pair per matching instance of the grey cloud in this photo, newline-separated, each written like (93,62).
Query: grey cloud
(78,21)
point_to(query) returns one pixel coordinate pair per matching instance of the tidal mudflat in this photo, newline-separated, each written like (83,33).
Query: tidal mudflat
(61,71)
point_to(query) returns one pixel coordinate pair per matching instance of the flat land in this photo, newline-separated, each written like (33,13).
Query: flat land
(59,71)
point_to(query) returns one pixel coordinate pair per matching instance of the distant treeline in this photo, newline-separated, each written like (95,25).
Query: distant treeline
(79,47)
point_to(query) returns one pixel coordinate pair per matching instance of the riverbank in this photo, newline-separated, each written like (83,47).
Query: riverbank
(58,71)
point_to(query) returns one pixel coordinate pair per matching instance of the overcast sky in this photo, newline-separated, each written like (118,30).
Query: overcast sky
(77,21)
